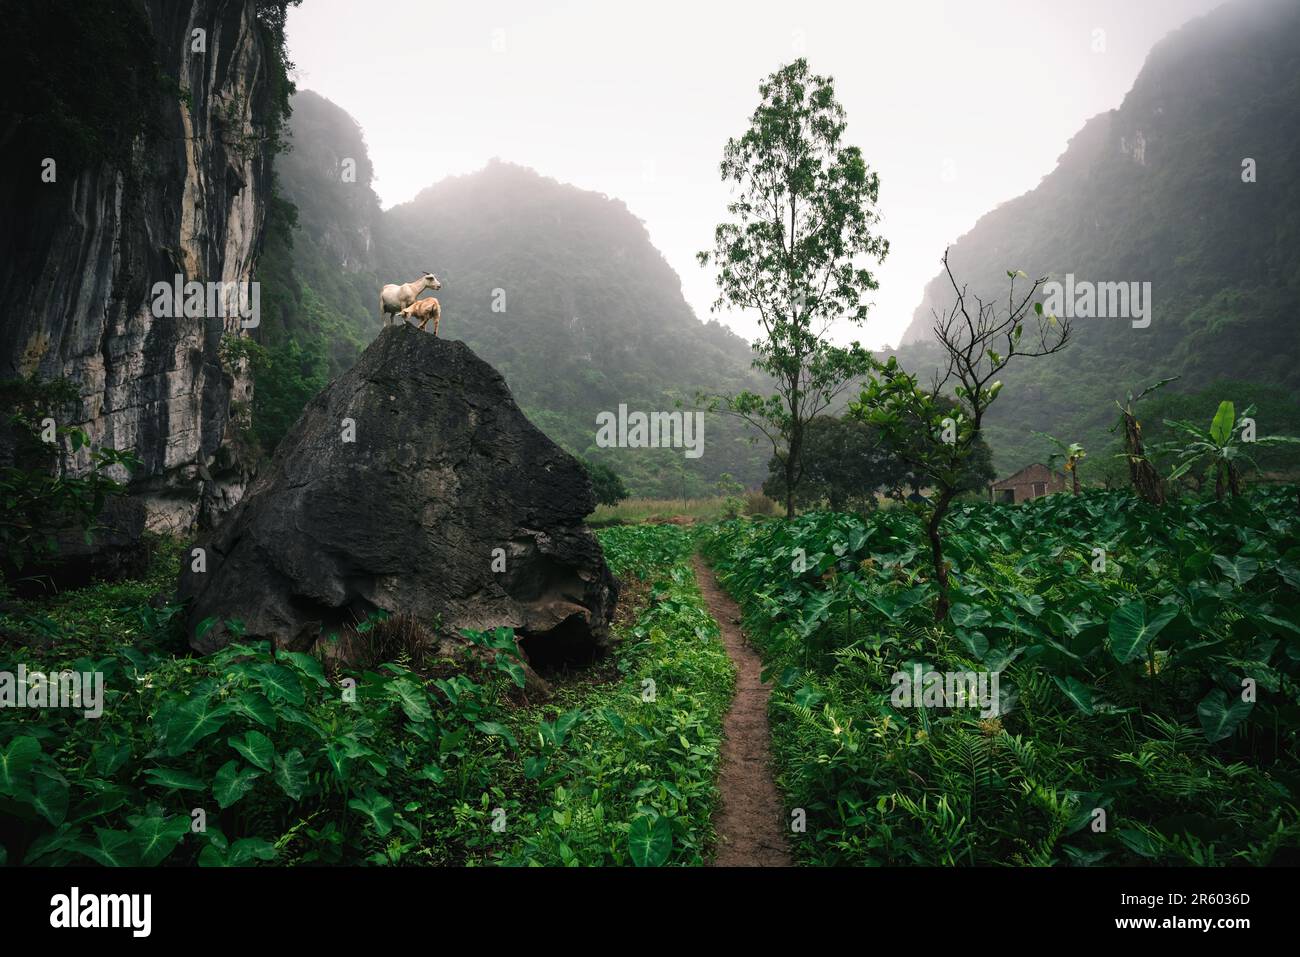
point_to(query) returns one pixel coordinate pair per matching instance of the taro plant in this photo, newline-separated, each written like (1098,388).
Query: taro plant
(1148,661)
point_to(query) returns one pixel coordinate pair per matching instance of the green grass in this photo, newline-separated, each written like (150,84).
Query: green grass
(635,511)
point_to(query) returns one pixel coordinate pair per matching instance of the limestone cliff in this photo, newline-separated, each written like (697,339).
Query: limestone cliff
(144,158)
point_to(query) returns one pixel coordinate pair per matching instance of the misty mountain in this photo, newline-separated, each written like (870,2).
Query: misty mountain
(557,287)
(1153,192)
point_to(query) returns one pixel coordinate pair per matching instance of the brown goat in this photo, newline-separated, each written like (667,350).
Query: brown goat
(423,310)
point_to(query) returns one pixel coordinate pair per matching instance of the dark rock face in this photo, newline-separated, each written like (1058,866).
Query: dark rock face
(443,481)
(118,548)
(186,194)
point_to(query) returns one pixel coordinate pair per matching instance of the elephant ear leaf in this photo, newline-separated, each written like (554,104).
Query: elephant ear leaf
(291,774)
(156,837)
(1238,568)
(412,698)
(256,748)
(190,723)
(232,783)
(650,843)
(280,683)
(969,616)
(175,780)
(1221,427)
(377,809)
(1219,719)
(111,848)
(1077,692)
(51,795)
(15,759)
(1131,630)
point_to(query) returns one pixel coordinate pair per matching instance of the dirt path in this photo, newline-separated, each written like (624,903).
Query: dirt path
(750,822)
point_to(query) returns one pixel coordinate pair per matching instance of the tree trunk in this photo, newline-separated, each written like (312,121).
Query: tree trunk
(792,467)
(936,554)
(1146,481)
(1074,473)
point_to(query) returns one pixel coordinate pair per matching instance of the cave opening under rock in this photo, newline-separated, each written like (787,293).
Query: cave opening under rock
(566,647)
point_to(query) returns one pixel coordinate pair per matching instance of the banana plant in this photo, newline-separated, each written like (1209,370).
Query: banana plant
(1220,449)
(1071,453)
(1146,481)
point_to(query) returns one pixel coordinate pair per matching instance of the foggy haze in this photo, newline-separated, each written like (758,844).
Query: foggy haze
(958,106)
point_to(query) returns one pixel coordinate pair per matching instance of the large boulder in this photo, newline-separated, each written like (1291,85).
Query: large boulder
(408,485)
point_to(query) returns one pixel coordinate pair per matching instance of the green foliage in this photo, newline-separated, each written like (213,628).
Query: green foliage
(634,511)
(272,16)
(38,497)
(1071,454)
(289,767)
(633,781)
(609,488)
(979,341)
(1278,413)
(846,464)
(311,313)
(640,549)
(1123,687)
(935,438)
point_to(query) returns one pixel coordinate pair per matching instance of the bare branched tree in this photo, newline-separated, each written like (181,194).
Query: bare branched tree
(970,329)
(935,441)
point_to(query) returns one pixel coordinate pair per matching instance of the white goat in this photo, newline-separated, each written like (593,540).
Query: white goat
(393,299)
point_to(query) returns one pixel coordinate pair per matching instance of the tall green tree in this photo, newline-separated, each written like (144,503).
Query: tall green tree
(605,482)
(844,465)
(793,252)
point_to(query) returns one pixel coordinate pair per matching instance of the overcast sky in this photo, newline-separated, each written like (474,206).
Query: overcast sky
(958,105)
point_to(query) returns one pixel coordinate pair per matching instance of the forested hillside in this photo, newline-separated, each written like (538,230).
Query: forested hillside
(1153,192)
(558,288)
(319,266)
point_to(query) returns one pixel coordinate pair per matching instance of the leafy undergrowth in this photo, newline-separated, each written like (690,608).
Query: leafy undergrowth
(635,780)
(251,755)
(1127,641)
